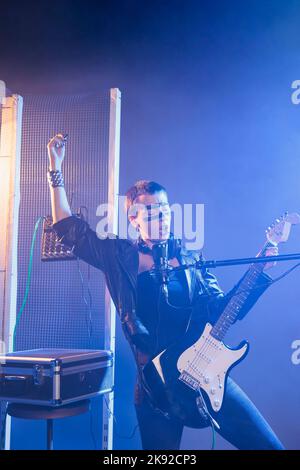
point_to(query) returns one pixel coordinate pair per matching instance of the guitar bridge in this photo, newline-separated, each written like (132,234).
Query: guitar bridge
(189,380)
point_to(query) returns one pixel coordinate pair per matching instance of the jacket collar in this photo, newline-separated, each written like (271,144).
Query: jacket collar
(128,257)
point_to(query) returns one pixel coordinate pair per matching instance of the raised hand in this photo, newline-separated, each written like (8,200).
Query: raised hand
(56,151)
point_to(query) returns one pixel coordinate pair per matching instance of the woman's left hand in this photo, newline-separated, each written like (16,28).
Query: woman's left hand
(272,251)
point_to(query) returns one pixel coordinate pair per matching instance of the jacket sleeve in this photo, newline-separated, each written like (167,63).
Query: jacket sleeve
(76,233)
(217,300)
(262,283)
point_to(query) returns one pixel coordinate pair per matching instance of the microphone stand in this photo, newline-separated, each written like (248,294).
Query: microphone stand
(237,261)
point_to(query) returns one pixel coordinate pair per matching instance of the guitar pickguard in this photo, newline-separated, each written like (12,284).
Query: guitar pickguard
(206,363)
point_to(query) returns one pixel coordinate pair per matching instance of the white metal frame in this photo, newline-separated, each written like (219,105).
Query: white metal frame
(110,310)
(10,153)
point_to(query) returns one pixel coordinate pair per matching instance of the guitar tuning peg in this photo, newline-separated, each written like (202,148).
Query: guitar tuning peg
(277,220)
(273,225)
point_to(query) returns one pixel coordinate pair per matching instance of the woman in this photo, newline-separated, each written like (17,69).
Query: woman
(150,322)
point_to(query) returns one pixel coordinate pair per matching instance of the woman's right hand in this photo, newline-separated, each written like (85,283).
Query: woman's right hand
(56,151)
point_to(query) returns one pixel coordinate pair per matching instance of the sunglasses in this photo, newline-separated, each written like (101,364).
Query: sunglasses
(156,211)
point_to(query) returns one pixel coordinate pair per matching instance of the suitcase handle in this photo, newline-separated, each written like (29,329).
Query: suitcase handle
(16,378)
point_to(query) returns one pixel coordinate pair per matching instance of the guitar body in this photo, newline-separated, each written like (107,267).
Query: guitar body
(173,377)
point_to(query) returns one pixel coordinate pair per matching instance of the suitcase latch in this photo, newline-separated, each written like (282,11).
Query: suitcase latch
(38,377)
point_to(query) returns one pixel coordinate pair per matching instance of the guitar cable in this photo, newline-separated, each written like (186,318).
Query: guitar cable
(201,405)
(183,307)
(205,414)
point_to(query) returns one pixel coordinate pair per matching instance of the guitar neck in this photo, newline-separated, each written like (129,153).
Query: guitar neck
(236,303)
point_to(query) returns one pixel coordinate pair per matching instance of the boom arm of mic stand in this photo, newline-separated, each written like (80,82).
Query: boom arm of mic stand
(238,261)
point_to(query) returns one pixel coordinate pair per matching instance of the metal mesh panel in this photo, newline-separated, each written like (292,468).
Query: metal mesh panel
(55,314)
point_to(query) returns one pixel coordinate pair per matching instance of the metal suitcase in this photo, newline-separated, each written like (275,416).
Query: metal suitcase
(55,377)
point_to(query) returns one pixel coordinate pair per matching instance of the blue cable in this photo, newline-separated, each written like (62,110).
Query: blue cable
(19,314)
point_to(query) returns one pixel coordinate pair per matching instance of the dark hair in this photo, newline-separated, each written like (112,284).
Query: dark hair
(141,187)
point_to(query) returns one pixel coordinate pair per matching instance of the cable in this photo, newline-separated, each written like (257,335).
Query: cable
(3,425)
(158,318)
(88,304)
(19,314)
(131,436)
(176,307)
(213,444)
(276,279)
(285,273)
(92,427)
(204,407)
(89,322)
(247,291)
(205,415)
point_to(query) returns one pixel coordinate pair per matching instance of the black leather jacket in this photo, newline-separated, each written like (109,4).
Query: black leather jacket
(119,260)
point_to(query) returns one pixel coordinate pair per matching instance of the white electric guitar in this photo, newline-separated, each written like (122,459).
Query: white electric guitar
(177,377)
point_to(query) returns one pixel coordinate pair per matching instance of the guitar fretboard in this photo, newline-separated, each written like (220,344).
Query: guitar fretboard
(235,304)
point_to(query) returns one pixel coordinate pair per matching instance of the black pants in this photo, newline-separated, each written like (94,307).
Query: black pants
(240,423)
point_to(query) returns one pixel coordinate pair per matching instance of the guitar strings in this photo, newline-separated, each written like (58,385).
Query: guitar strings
(208,342)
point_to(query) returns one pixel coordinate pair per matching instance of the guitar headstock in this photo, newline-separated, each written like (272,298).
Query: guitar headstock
(279,231)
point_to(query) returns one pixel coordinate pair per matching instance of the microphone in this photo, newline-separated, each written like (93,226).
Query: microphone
(61,144)
(161,266)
